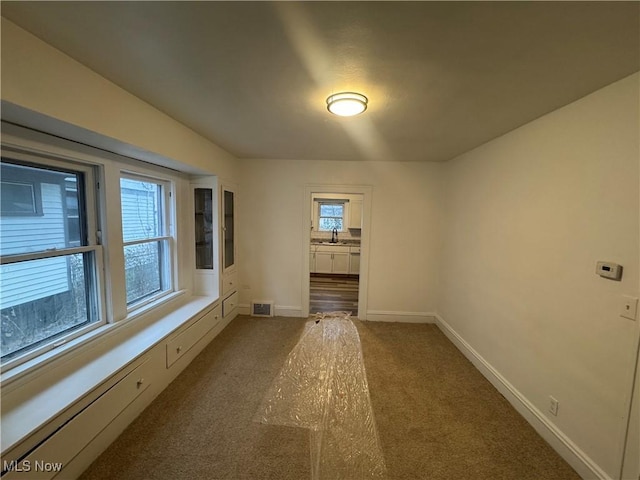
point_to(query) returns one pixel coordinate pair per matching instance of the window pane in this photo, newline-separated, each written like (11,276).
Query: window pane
(40,210)
(18,198)
(144,270)
(74,234)
(333,210)
(229,229)
(43,299)
(326,224)
(141,209)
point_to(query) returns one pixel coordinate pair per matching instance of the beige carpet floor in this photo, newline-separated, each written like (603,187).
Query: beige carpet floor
(437,416)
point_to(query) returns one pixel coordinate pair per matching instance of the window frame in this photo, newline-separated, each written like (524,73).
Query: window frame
(167,271)
(47,151)
(89,207)
(342,203)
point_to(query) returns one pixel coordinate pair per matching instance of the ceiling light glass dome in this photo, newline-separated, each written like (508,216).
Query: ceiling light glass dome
(347,104)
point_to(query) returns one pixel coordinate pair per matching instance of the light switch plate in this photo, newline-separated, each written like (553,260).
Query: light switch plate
(628,307)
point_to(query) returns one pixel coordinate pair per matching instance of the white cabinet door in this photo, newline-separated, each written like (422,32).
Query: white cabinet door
(341,263)
(312,262)
(228,224)
(355,214)
(354,264)
(324,262)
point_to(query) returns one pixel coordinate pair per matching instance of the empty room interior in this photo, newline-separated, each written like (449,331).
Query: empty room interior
(288,240)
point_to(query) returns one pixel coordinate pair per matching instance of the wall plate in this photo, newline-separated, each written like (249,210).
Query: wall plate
(628,307)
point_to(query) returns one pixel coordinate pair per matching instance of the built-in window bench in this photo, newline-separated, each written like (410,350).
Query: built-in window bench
(68,410)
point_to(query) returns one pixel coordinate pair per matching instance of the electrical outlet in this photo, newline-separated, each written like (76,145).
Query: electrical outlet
(553,406)
(628,307)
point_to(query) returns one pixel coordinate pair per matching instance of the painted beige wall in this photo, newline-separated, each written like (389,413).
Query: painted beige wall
(527,217)
(405,217)
(37,77)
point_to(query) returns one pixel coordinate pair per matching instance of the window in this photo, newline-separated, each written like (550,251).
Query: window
(20,195)
(330,216)
(52,266)
(146,239)
(48,273)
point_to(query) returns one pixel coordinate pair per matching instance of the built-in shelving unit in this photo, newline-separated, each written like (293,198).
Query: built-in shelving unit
(206,242)
(228,237)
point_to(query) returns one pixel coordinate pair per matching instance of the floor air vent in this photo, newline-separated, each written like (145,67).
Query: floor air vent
(262,309)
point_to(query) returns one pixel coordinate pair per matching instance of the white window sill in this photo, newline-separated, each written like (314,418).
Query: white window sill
(66,348)
(31,398)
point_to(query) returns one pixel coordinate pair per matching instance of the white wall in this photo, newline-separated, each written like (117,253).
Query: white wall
(404,230)
(527,217)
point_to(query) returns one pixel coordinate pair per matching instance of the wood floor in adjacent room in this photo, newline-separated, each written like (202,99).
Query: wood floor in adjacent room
(333,293)
(438,418)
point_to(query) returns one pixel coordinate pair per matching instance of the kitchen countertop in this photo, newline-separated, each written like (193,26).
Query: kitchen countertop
(346,243)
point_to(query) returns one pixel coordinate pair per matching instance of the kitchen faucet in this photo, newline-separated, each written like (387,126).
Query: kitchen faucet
(334,236)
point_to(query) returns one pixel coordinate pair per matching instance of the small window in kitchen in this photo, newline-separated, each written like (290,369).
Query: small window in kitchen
(330,216)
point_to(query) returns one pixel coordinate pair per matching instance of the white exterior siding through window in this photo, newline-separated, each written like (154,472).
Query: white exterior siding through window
(24,282)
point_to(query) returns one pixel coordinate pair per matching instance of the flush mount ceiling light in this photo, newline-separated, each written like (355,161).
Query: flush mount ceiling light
(347,104)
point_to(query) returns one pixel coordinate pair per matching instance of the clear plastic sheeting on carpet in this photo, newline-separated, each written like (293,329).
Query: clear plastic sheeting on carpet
(323,387)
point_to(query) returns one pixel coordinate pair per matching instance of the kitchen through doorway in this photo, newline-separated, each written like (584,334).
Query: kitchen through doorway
(334,252)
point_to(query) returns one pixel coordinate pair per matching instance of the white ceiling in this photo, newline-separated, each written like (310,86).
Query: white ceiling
(441,77)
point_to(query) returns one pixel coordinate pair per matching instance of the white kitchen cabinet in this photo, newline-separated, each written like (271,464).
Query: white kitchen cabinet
(312,261)
(329,259)
(341,262)
(354,261)
(355,214)
(324,262)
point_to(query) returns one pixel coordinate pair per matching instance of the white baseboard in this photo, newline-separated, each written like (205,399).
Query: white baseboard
(404,317)
(287,311)
(278,310)
(568,450)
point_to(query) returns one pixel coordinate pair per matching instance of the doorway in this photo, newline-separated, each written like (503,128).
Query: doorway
(336,239)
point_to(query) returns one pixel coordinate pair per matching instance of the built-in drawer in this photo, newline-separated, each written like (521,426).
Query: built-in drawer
(229,283)
(183,341)
(229,304)
(354,249)
(50,457)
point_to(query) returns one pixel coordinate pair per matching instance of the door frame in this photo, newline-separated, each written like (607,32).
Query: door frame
(367,192)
